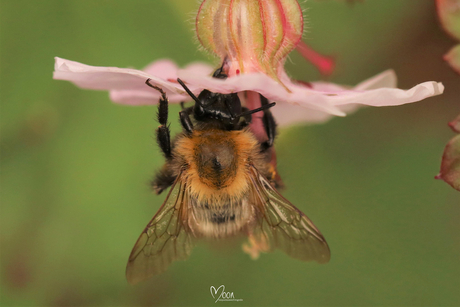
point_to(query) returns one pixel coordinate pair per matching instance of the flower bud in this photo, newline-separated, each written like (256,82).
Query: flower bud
(251,35)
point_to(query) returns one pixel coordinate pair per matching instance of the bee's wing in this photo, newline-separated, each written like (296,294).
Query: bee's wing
(280,225)
(164,240)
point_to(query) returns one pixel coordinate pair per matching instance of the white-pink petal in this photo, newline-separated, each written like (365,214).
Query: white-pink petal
(256,82)
(314,102)
(127,85)
(319,97)
(287,114)
(144,97)
(105,78)
(165,69)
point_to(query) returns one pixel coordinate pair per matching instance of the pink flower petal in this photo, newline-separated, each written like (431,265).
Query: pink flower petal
(389,96)
(290,114)
(321,97)
(106,78)
(127,85)
(384,79)
(373,97)
(312,103)
(165,69)
(139,98)
(256,82)
(200,68)
(287,114)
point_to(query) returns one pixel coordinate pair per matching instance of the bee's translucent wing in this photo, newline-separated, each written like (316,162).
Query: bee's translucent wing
(280,225)
(164,240)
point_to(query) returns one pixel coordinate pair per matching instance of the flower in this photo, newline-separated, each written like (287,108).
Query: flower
(252,40)
(127,86)
(312,102)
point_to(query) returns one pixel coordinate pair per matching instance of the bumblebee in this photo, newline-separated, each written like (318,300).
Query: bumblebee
(222,185)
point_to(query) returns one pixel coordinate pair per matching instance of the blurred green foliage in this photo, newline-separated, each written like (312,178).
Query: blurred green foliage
(75,167)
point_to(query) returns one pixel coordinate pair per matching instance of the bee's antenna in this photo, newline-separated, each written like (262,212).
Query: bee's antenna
(264,107)
(189,92)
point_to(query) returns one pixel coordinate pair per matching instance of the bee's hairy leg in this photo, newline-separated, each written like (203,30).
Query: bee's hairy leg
(163,180)
(185,120)
(163,133)
(269,125)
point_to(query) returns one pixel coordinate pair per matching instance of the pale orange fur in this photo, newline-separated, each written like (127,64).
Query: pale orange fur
(247,152)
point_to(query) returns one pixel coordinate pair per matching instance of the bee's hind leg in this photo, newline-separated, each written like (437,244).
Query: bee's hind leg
(269,125)
(163,133)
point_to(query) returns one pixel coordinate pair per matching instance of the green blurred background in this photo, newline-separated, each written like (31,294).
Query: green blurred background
(75,167)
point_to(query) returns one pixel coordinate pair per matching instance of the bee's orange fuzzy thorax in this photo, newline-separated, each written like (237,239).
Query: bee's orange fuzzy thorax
(217,162)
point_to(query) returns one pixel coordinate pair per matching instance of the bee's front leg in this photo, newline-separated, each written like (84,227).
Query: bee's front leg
(163,133)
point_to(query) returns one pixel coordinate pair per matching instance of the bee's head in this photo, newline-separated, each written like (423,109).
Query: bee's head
(223,110)
(220,108)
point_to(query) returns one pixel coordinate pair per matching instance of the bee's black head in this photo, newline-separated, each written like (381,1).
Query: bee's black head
(223,110)
(216,107)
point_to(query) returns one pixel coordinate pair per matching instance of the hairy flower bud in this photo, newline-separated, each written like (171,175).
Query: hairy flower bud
(252,35)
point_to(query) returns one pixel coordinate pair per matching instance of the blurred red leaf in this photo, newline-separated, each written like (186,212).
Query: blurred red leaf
(455,124)
(453,58)
(449,14)
(450,165)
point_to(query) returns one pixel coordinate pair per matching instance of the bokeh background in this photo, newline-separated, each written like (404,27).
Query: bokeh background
(75,167)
